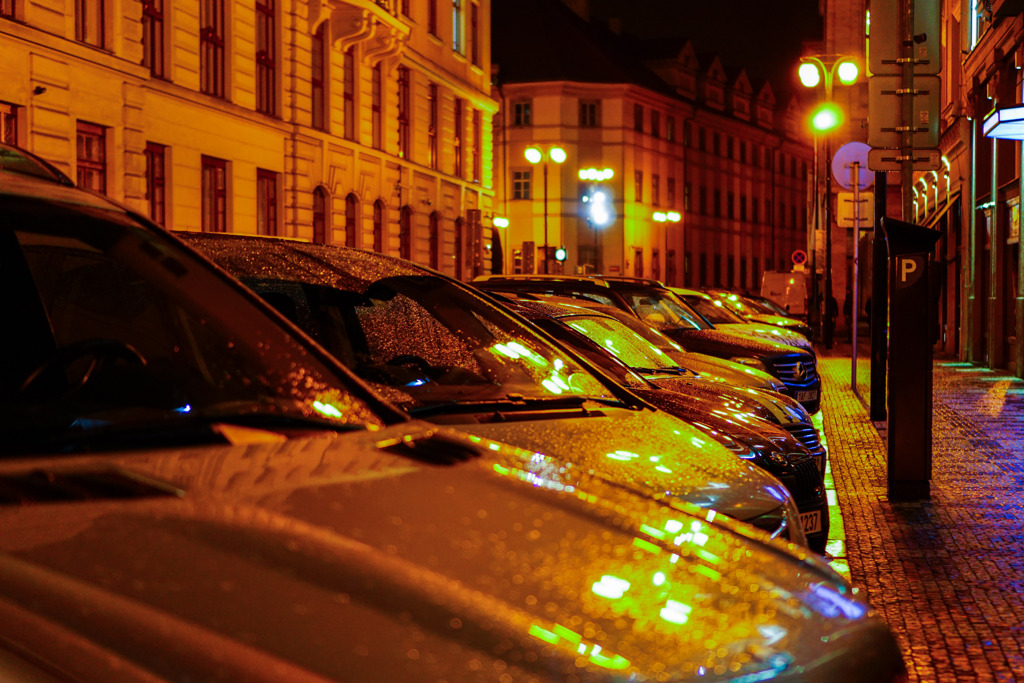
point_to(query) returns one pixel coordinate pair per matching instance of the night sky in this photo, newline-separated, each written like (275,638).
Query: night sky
(764,36)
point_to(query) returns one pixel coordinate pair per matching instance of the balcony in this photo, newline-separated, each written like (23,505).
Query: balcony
(374,25)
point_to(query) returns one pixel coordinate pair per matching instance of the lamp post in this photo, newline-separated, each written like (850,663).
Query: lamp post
(815,70)
(666,217)
(535,156)
(598,211)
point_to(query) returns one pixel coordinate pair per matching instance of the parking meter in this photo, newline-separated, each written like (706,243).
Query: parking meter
(909,397)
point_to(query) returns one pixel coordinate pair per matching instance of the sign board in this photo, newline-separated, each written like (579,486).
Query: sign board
(799,257)
(885,39)
(846,215)
(843,161)
(890,160)
(885,108)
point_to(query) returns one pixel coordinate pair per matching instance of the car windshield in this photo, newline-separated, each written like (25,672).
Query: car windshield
(663,311)
(418,338)
(768,307)
(713,310)
(622,342)
(120,328)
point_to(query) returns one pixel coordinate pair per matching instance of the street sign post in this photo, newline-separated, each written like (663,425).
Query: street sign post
(883,58)
(892,159)
(885,103)
(856,211)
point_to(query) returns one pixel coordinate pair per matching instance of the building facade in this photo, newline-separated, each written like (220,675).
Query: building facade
(361,122)
(708,177)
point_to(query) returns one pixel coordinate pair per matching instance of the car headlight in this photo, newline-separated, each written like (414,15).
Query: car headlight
(750,362)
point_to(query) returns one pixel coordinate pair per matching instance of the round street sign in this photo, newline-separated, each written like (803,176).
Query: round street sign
(799,256)
(842,165)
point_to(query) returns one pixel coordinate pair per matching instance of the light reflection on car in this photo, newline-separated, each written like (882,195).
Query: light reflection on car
(748,422)
(443,352)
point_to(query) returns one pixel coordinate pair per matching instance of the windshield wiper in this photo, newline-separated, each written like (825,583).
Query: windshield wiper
(114,430)
(512,403)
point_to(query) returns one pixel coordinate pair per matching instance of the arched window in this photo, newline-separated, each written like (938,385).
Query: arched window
(435,240)
(320,201)
(351,221)
(405,233)
(460,256)
(378,226)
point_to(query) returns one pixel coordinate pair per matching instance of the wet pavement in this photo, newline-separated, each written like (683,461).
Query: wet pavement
(947,573)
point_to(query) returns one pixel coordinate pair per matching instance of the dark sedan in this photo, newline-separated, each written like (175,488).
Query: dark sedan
(654,303)
(733,416)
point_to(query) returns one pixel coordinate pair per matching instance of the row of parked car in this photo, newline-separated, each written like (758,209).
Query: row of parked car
(241,458)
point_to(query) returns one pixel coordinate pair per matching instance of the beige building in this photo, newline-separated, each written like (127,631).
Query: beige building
(358,122)
(709,175)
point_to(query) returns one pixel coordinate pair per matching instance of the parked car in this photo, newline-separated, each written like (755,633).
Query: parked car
(753,311)
(723,317)
(445,353)
(686,362)
(653,303)
(750,420)
(191,489)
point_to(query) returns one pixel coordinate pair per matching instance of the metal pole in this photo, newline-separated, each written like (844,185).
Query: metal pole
(879,304)
(829,309)
(856,272)
(813,319)
(545,218)
(907,121)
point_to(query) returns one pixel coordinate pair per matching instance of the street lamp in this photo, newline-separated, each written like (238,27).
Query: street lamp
(598,210)
(535,156)
(827,116)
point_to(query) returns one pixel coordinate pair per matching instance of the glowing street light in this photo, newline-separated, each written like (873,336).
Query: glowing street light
(815,70)
(535,156)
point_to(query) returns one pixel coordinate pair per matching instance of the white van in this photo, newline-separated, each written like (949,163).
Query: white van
(789,290)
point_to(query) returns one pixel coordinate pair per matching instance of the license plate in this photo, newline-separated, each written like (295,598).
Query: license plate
(811,521)
(811,395)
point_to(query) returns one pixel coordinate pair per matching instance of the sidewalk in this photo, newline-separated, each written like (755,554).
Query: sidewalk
(946,573)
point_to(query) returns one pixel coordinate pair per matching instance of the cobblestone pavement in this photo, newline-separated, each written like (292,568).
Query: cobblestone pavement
(946,573)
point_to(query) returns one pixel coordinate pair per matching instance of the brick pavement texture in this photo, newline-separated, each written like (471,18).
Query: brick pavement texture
(946,573)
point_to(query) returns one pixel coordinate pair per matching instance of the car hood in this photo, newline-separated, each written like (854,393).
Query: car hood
(329,558)
(761,404)
(729,371)
(726,344)
(648,451)
(768,332)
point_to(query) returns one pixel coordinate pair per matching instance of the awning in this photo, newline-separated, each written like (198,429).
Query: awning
(1004,124)
(933,220)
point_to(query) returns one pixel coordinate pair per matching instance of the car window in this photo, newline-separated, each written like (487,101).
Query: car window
(662,311)
(622,342)
(419,339)
(138,329)
(715,312)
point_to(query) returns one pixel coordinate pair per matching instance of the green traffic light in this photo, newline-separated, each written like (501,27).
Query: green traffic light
(826,117)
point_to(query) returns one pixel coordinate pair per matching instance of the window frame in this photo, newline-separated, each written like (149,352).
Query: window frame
(156,182)
(214,199)
(319,78)
(211,47)
(153,44)
(87,166)
(267,192)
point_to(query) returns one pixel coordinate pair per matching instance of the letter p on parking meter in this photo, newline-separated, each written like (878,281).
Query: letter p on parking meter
(909,270)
